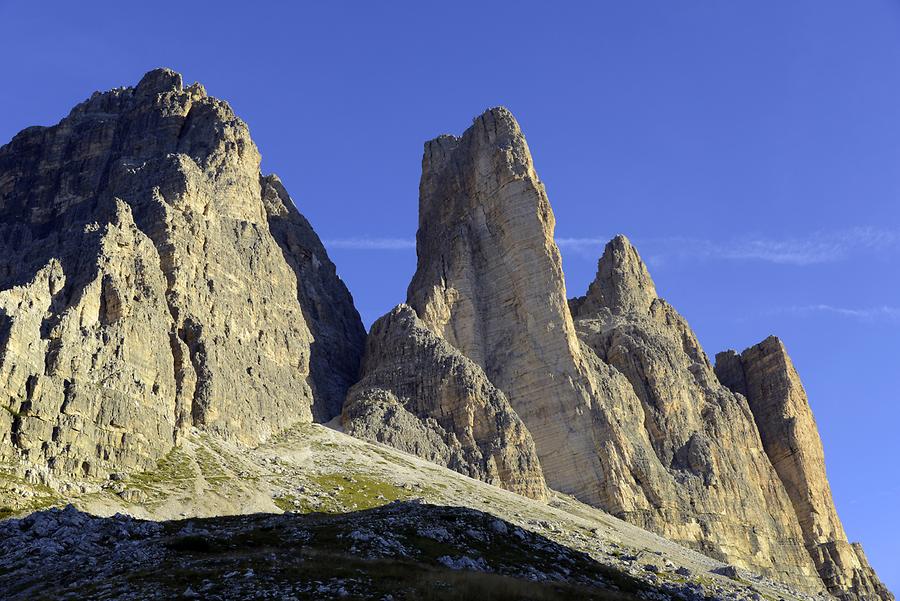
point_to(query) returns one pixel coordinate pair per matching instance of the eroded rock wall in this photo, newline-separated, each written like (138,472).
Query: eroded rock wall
(421,395)
(765,375)
(489,281)
(724,498)
(143,291)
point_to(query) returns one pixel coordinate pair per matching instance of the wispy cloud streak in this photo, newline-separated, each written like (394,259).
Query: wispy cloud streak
(375,243)
(587,248)
(366,243)
(815,248)
(881,314)
(581,242)
(819,247)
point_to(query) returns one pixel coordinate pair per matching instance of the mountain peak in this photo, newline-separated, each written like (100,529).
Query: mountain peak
(158,81)
(622,284)
(765,375)
(494,134)
(179,286)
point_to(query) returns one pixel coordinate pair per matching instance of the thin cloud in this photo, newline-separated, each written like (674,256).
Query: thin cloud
(819,247)
(815,248)
(365,243)
(881,314)
(581,242)
(588,248)
(374,243)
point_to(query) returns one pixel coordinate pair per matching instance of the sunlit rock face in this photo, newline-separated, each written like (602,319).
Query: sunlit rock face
(151,281)
(421,395)
(721,493)
(622,404)
(765,375)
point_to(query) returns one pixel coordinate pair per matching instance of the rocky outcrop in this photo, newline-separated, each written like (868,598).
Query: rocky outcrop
(421,395)
(625,410)
(152,281)
(765,375)
(718,490)
(149,282)
(489,281)
(338,335)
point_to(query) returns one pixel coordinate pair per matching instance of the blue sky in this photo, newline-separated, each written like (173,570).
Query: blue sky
(751,151)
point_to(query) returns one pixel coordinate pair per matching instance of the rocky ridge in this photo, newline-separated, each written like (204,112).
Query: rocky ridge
(720,492)
(147,274)
(764,374)
(624,407)
(159,297)
(421,395)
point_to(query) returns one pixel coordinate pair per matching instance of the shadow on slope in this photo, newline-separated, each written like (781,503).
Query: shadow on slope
(404,550)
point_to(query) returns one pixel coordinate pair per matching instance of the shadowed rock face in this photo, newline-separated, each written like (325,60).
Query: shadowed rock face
(142,291)
(765,375)
(421,395)
(339,337)
(369,554)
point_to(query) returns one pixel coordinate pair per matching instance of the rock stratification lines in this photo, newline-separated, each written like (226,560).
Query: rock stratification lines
(149,281)
(765,375)
(156,289)
(421,395)
(624,407)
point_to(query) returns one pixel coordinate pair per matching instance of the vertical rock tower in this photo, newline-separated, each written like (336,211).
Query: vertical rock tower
(489,281)
(152,281)
(623,405)
(765,375)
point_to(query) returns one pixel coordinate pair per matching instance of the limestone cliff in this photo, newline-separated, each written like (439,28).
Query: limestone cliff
(421,395)
(625,410)
(765,375)
(151,281)
(723,497)
(338,334)
(489,281)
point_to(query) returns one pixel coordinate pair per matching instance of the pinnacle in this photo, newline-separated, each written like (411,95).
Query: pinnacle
(158,81)
(623,284)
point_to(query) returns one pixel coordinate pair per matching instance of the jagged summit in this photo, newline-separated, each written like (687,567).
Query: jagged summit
(765,375)
(158,81)
(156,289)
(626,413)
(497,119)
(146,288)
(478,195)
(622,284)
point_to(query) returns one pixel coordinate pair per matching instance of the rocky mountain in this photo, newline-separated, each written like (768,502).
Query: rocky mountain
(765,375)
(170,325)
(720,492)
(625,409)
(153,281)
(421,395)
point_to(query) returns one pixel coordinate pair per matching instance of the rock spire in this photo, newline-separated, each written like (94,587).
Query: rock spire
(765,375)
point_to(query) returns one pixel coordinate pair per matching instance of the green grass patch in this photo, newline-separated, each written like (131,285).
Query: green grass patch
(175,467)
(11,411)
(340,493)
